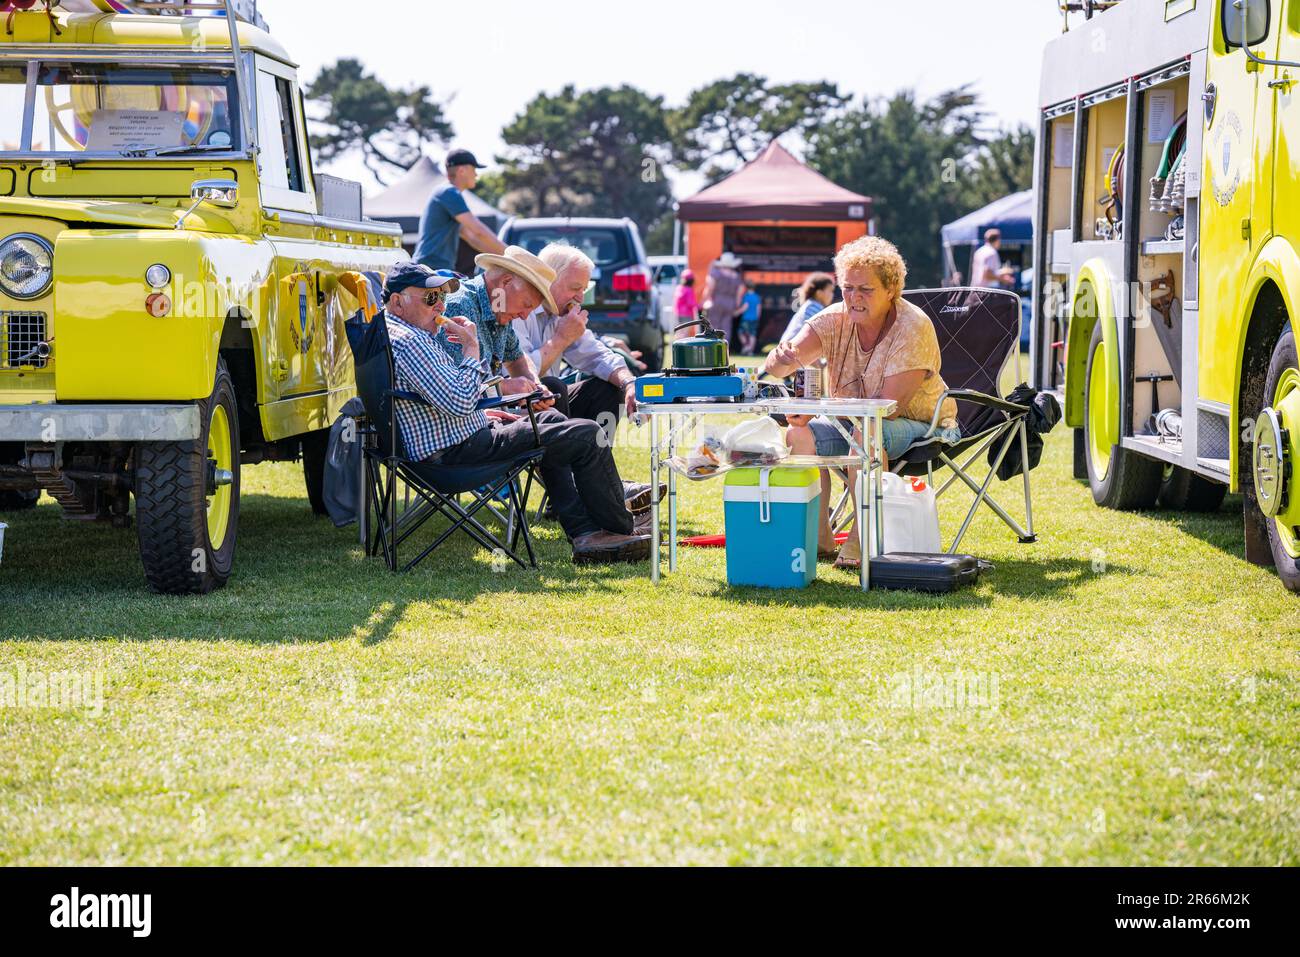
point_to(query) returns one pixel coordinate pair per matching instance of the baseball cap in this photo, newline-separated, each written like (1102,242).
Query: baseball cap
(412,274)
(463,158)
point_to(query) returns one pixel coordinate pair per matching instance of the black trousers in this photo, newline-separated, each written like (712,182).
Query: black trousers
(579,471)
(592,398)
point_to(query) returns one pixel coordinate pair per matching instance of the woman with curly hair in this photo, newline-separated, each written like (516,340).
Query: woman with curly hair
(876,345)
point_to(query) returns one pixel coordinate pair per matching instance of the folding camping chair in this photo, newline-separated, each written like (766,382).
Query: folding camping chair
(978,331)
(437,488)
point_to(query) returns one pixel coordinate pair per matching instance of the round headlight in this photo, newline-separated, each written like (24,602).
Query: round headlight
(26,265)
(157,275)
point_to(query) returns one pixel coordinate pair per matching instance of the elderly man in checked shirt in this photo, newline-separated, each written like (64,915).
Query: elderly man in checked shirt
(579,471)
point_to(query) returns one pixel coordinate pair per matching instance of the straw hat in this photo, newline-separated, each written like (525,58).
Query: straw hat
(729,260)
(527,267)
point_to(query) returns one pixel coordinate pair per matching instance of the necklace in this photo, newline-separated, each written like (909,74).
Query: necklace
(867,353)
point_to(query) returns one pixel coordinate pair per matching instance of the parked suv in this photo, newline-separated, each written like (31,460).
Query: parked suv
(624,302)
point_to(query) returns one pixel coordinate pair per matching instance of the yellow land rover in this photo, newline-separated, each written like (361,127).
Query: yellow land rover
(1167,255)
(169,263)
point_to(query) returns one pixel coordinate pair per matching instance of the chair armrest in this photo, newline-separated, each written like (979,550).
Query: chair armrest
(981,398)
(407,395)
(976,398)
(499,401)
(491,381)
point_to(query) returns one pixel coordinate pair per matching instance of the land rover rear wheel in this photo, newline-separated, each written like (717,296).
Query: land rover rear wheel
(315,446)
(1275,450)
(187,499)
(1119,478)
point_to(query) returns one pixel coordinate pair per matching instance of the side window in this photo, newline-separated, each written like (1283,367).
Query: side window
(289,133)
(280,159)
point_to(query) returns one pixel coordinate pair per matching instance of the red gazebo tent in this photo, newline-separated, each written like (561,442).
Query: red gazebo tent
(783,219)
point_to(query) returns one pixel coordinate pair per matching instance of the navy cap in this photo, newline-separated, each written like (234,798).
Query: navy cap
(412,274)
(463,158)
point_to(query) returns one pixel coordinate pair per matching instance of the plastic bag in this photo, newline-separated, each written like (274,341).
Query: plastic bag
(755,442)
(706,457)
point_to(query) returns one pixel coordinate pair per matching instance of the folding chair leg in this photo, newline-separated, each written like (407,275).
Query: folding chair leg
(982,495)
(1029,536)
(462,518)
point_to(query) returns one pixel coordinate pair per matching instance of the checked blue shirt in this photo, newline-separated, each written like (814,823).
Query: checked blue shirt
(450,385)
(497,343)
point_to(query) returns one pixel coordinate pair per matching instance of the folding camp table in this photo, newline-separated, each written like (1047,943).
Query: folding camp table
(683,417)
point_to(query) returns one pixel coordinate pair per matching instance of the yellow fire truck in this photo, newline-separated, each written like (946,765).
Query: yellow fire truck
(170,305)
(1167,257)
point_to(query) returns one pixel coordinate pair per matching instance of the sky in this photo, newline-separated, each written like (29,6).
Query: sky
(487,60)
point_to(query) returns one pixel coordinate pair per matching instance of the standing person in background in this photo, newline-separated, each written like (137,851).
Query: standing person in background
(723,289)
(447,217)
(752,309)
(685,305)
(816,293)
(986,267)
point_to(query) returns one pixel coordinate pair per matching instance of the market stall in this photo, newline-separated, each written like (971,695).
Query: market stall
(782,219)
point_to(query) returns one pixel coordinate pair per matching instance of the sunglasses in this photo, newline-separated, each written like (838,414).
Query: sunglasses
(434,296)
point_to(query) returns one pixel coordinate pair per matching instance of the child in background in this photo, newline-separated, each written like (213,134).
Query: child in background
(685,303)
(751,309)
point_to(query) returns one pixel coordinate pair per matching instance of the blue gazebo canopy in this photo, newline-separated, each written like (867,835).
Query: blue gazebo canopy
(1013,214)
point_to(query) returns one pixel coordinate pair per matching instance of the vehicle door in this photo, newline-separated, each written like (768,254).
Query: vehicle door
(1236,189)
(294,338)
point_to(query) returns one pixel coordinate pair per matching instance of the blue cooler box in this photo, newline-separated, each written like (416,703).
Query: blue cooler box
(771,516)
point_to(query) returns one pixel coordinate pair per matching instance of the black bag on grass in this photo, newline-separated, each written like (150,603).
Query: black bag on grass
(920,571)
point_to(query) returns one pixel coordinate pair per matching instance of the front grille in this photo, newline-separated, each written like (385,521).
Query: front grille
(20,334)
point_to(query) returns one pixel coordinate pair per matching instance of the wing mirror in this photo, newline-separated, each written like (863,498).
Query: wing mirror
(222,193)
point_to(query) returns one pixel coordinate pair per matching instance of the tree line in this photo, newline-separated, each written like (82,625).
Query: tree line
(608,151)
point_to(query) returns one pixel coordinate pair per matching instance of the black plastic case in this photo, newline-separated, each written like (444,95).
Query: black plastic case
(918,571)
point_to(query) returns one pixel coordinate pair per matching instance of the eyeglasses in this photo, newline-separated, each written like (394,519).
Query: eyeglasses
(434,296)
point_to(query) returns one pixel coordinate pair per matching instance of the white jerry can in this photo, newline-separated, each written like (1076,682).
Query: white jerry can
(910,515)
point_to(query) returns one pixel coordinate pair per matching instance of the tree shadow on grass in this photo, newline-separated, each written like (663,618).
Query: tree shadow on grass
(297,578)
(1053,579)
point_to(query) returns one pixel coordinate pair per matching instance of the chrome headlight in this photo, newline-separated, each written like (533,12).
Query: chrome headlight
(26,265)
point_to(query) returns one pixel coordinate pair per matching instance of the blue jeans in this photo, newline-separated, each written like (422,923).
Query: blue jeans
(899,434)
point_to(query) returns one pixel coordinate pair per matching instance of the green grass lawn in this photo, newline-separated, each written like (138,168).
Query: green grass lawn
(1137,701)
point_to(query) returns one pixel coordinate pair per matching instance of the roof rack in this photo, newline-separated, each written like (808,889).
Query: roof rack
(245,10)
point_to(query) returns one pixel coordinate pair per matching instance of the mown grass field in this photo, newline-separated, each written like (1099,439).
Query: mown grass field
(1138,702)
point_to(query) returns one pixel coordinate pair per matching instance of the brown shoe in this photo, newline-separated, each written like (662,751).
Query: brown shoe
(608,547)
(641,523)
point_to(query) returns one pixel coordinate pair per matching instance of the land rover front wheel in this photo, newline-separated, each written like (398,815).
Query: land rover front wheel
(187,499)
(1274,452)
(1119,477)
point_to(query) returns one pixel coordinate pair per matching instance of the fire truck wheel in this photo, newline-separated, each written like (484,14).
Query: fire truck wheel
(187,499)
(314,449)
(18,500)
(1282,392)
(1186,491)
(1119,478)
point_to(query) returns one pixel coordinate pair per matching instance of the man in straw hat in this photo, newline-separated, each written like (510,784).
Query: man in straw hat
(445,358)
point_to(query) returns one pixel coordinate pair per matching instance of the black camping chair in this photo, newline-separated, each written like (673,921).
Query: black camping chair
(437,487)
(978,330)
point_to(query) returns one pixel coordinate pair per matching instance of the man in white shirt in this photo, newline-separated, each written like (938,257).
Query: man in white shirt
(986,267)
(546,338)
